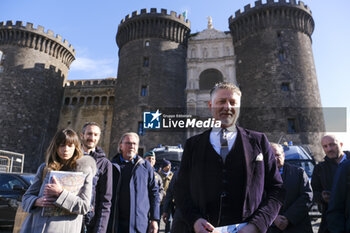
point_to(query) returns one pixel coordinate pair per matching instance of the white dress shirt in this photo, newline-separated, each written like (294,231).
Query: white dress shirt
(215,138)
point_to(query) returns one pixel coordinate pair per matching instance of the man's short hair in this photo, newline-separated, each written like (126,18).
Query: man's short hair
(225,85)
(88,124)
(334,137)
(128,134)
(278,146)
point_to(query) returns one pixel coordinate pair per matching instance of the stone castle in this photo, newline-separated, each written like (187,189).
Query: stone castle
(267,53)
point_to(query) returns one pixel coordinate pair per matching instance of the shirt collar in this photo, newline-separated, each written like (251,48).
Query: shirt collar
(344,158)
(127,161)
(91,152)
(230,129)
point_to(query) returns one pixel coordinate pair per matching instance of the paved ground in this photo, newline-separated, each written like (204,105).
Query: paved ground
(315,225)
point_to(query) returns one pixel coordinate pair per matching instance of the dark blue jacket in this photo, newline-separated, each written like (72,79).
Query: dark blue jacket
(297,201)
(144,196)
(102,192)
(338,214)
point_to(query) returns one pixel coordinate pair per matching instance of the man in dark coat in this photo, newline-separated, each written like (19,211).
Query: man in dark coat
(338,215)
(97,219)
(294,214)
(323,175)
(228,175)
(135,203)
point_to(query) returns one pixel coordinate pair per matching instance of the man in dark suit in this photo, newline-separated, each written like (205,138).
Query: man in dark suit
(324,172)
(294,214)
(228,175)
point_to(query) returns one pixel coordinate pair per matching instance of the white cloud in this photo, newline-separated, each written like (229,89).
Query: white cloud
(87,68)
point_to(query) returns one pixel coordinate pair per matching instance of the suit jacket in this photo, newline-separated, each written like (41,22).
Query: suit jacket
(297,201)
(338,215)
(263,195)
(144,196)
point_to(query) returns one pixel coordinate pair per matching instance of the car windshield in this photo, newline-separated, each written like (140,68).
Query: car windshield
(28,178)
(298,156)
(169,155)
(306,164)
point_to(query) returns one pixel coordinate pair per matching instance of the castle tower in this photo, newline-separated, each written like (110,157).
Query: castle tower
(33,67)
(151,74)
(276,72)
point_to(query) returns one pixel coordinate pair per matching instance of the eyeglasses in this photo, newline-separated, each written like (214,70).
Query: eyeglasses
(130,143)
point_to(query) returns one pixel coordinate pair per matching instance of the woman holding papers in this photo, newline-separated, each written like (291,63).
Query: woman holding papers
(61,192)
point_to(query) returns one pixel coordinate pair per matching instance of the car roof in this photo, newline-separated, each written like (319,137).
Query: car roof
(296,152)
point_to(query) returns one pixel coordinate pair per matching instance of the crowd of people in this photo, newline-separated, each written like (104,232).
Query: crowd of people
(229,176)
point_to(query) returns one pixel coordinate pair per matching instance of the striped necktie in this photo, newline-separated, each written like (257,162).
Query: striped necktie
(224,144)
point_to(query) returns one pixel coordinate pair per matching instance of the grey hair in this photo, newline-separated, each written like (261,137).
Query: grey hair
(128,134)
(227,86)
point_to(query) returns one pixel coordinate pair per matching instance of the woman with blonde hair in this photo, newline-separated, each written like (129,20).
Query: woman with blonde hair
(63,154)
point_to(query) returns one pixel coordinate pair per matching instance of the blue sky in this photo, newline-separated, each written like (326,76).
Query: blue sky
(91,26)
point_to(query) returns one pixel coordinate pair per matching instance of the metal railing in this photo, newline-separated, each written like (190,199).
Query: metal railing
(11,161)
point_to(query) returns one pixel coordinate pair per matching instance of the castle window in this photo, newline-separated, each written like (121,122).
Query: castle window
(104,100)
(111,100)
(89,100)
(208,78)
(96,100)
(140,130)
(281,55)
(74,101)
(285,87)
(81,100)
(279,34)
(144,91)
(66,101)
(145,61)
(147,43)
(292,126)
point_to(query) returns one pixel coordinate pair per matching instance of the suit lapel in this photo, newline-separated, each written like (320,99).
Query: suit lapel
(248,153)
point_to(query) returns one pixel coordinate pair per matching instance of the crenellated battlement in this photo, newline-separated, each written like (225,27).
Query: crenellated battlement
(153,11)
(36,38)
(90,83)
(153,24)
(271,3)
(272,14)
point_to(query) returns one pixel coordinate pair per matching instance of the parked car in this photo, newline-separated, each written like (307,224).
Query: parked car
(300,157)
(171,153)
(12,187)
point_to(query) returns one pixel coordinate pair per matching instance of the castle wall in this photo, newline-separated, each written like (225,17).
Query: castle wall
(86,101)
(33,68)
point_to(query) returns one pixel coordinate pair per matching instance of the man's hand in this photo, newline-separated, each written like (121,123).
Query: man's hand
(165,217)
(326,195)
(45,201)
(202,226)
(54,189)
(249,228)
(153,227)
(281,222)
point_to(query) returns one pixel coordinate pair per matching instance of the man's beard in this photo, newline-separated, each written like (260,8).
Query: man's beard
(88,146)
